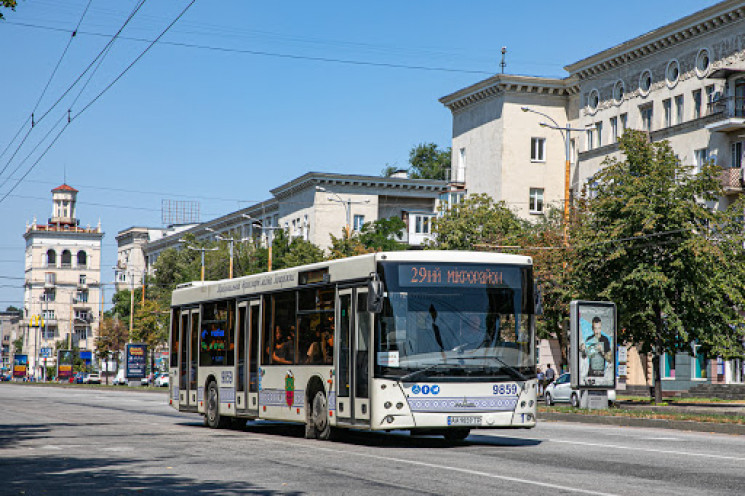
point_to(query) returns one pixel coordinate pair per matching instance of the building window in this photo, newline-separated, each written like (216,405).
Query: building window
(537,149)
(81,333)
(82,315)
(50,278)
(699,366)
(624,118)
(359,221)
(460,172)
(710,97)
(667,112)
(701,157)
(590,138)
(679,109)
(618,91)
(613,129)
(536,200)
(422,224)
(599,129)
(47,314)
(51,258)
(697,104)
(645,82)
(49,295)
(81,297)
(737,154)
(593,100)
(703,61)
(672,73)
(82,259)
(66,259)
(646,114)
(82,279)
(668,365)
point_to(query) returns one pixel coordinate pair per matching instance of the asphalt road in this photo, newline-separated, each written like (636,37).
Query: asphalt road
(111,441)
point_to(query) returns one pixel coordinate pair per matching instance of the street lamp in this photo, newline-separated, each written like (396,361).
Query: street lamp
(202,250)
(565,133)
(231,241)
(270,236)
(347,204)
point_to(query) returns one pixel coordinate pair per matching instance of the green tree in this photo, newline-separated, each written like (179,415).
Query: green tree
(12,308)
(346,245)
(429,162)
(674,267)
(8,4)
(113,334)
(18,345)
(479,221)
(383,234)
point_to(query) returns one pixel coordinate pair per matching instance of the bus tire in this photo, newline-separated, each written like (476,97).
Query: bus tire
(212,416)
(456,434)
(319,416)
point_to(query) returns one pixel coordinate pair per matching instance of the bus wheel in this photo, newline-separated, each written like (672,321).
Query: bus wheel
(319,416)
(212,414)
(456,434)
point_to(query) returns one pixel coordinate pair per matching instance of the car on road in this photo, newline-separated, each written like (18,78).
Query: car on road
(92,378)
(162,380)
(560,391)
(120,380)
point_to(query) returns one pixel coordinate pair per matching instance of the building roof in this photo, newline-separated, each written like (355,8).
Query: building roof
(692,26)
(312,179)
(65,187)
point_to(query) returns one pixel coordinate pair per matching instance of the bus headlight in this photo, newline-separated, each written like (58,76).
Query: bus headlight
(399,405)
(387,405)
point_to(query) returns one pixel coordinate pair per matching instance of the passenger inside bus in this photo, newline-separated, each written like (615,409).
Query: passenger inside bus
(314,355)
(284,347)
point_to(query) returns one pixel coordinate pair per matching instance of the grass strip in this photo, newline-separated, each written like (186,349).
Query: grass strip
(648,414)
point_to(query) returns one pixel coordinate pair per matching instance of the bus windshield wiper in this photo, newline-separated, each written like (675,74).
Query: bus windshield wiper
(417,373)
(512,371)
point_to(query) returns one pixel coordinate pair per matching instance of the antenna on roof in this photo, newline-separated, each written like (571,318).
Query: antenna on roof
(503,64)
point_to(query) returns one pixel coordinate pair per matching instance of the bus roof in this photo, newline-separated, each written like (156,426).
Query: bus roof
(345,269)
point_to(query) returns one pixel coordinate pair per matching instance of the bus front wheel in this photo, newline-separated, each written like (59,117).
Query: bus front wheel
(212,416)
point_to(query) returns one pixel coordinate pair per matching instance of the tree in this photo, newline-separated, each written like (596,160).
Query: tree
(113,334)
(476,221)
(18,345)
(347,245)
(429,162)
(674,267)
(8,4)
(380,235)
(12,308)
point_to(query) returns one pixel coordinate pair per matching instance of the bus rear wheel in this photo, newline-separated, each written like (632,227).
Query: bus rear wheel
(456,434)
(319,416)
(212,416)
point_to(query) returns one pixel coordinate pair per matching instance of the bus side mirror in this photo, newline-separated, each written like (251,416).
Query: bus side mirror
(538,304)
(375,292)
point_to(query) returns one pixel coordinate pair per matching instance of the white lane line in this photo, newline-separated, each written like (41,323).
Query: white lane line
(650,450)
(446,467)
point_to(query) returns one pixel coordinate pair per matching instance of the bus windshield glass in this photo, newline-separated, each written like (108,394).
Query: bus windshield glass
(462,322)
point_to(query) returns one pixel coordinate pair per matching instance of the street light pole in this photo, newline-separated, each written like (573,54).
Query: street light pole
(346,203)
(270,236)
(566,134)
(231,240)
(202,250)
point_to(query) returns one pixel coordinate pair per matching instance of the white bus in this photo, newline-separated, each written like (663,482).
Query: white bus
(435,342)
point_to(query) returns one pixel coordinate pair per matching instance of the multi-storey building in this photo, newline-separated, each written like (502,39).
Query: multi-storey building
(10,330)
(313,207)
(63,281)
(683,82)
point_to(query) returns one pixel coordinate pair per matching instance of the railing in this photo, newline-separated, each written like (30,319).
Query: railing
(732,106)
(731,179)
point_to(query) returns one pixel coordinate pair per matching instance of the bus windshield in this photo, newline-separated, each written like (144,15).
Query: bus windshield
(455,322)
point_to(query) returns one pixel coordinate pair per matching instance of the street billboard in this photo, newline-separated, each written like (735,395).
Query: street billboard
(136,357)
(20,366)
(64,364)
(592,339)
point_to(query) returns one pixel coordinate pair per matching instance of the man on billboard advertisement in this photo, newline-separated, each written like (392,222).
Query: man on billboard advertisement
(596,342)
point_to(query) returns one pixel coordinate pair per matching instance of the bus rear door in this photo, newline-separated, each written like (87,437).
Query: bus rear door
(188,356)
(247,397)
(354,326)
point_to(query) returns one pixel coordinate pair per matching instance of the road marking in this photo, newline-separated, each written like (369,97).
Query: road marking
(447,467)
(650,450)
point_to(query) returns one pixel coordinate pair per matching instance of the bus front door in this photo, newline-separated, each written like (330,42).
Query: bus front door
(247,396)
(188,355)
(353,357)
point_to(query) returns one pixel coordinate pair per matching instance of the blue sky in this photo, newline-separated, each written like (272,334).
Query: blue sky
(223,126)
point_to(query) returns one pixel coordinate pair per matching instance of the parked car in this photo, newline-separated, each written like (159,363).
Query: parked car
(120,380)
(162,380)
(560,391)
(92,378)
(5,378)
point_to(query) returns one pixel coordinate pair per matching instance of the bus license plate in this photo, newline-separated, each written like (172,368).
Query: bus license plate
(474,420)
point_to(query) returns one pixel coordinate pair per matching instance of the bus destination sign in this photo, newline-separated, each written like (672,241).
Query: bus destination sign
(446,275)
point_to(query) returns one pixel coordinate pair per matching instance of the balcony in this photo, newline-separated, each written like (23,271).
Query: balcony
(730,112)
(731,181)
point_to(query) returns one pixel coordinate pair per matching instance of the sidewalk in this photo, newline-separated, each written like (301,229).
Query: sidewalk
(716,409)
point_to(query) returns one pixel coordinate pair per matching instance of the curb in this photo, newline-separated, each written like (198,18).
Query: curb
(91,387)
(682,425)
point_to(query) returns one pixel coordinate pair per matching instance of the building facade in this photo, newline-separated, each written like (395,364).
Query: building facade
(10,330)
(313,207)
(683,82)
(62,297)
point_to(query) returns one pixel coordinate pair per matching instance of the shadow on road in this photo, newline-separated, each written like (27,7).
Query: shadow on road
(61,475)
(11,435)
(395,439)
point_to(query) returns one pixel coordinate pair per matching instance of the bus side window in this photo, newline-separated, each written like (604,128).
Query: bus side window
(266,341)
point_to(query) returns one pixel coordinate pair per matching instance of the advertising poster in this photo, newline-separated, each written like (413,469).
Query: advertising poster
(593,344)
(64,364)
(136,361)
(20,365)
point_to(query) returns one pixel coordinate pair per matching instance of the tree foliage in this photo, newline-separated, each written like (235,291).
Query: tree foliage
(477,221)
(8,4)
(383,234)
(429,162)
(650,242)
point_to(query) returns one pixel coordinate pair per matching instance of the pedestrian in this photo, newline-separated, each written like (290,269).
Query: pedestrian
(550,374)
(541,377)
